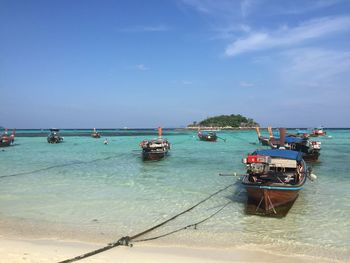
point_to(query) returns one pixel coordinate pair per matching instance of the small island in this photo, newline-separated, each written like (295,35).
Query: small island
(222,122)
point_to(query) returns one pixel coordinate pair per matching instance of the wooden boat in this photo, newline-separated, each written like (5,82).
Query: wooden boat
(54,136)
(318,132)
(155,149)
(273,181)
(310,150)
(95,134)
(207,136)
(266,141)
(6,139)
(300,133)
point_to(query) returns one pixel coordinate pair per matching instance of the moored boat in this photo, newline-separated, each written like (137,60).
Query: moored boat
(95,134)
(310,150)
(54,136)
(155,149)
(209,136)
(266,141)
(318,132)
(273,181)
(300,134)
(6,139)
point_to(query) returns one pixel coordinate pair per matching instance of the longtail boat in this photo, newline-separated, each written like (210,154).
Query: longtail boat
(300,133)
(155,149)
(95,134)
(310,149)
(273,181)
(318,132)
(54,136)
(6,139)
(207,136)
(266,141)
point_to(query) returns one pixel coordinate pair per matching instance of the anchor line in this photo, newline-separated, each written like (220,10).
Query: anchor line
(185,227)
(125,241)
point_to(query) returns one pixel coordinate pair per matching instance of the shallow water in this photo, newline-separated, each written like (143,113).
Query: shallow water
(82,189)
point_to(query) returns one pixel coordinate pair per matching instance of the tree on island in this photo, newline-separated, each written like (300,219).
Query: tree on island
(232,120)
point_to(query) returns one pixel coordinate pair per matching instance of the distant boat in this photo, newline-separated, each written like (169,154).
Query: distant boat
(54,136)
(300,133)
(273,181)
(309,149)
(318,132)
(208,136)
(95,134)
(155,149)
(7,140)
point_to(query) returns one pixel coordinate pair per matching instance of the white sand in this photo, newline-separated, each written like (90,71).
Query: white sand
(43,250)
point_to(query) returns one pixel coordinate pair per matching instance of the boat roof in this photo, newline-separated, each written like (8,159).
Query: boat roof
(207,132)
(293,139)
(287,154)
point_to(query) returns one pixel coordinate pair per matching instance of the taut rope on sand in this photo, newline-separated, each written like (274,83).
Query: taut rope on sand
(125,241)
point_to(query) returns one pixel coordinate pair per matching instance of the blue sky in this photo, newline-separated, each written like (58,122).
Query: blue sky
(168,63)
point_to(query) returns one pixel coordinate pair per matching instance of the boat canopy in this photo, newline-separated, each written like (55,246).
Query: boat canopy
(287,154)
(54,130)
(293,140)
(207,132)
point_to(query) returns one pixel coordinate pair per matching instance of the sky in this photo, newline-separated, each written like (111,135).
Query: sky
(128,63)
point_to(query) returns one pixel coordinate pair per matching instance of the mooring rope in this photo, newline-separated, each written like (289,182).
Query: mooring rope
(185,227)
(125,241)
(58,166)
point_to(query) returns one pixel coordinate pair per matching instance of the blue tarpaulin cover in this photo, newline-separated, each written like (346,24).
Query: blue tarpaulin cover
(293,140)
(287,154)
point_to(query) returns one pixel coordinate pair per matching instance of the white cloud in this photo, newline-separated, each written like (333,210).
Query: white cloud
(246,7)
(158,28)
(307,6)
(286,36)
(141,67)
(222,9)
(245,84)
(315,67)
(227,32)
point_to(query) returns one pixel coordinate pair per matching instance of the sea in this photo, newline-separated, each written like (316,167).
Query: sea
(82,189)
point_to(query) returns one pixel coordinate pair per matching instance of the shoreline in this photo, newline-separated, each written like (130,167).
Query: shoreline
(55,250)
(40,243)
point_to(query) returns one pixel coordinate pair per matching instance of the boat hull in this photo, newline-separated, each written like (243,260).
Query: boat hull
(269,201)
(311,157)
(153,156)
(264,141)
(5,143)
(96,135)
(208,138)
(54,139)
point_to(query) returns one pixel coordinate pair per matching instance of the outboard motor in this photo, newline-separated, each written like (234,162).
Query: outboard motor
(257,164)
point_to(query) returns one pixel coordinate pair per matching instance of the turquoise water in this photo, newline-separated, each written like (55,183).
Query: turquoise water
(82,189)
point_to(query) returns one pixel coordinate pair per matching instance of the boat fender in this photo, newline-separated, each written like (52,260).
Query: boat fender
(312,177)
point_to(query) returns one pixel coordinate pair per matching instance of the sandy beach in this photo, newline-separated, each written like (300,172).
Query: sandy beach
(45,250)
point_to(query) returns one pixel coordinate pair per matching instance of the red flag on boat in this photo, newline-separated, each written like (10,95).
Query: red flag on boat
(159,132)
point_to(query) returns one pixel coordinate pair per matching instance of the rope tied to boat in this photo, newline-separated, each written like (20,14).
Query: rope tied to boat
(126,240)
